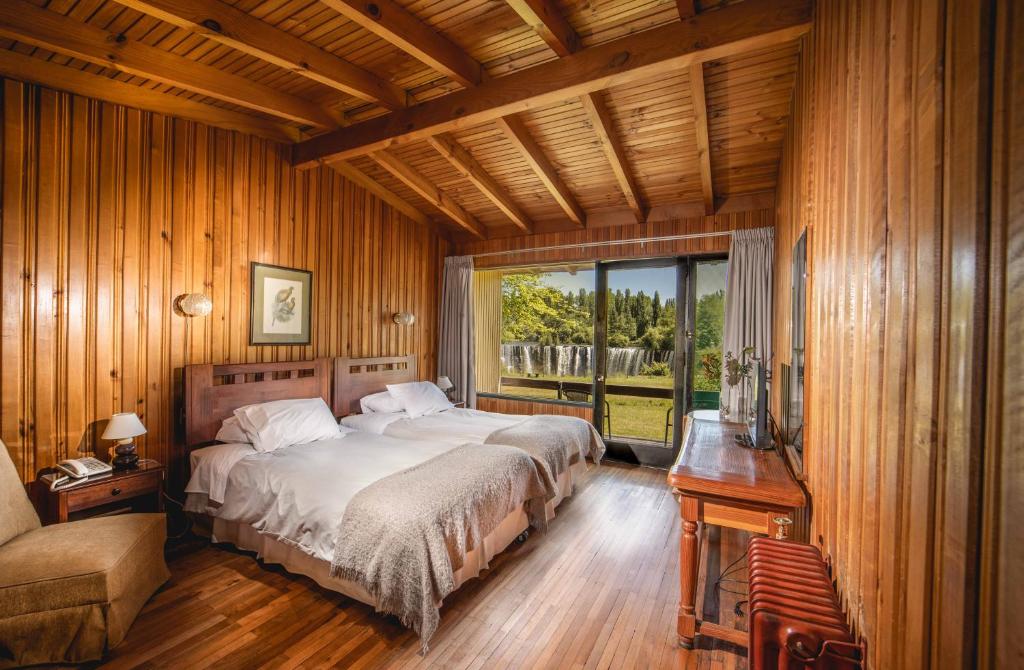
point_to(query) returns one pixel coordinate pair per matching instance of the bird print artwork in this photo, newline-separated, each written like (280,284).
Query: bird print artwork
(284,306)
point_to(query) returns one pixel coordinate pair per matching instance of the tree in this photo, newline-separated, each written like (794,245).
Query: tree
(710,320)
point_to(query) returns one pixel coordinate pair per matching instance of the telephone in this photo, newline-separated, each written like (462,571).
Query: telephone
(79,469)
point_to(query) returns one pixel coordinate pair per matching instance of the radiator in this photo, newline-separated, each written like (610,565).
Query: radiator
(795,619)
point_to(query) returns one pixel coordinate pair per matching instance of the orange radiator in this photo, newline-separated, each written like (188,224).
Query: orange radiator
(795,618)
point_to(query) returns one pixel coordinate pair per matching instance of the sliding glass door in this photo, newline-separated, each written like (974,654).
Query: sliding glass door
(658,340)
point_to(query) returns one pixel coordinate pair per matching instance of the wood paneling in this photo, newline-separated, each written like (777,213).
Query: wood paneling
(886,165)
(721,223)
(110,213)
(513,406)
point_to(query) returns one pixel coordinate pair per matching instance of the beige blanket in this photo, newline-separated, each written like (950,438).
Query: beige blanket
(554,443)
(403,537)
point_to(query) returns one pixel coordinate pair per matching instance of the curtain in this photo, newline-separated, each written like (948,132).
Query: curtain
(748,312)
(455,356)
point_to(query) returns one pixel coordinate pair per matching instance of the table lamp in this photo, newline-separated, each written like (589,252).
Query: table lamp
(445,385)
(123,427)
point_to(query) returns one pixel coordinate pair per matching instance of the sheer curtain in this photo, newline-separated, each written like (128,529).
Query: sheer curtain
(748,310)
(455,356)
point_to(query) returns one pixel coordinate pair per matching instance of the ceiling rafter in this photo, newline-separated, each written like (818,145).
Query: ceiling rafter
(700,113)
(27,23)
(547,21)
(468,167)
(357,176)
(545,18)
(604,127)
(687,9)
(407,32)
(62,78)
(518,134)
(389,21)
(734,29)
(429,191)
(235,28)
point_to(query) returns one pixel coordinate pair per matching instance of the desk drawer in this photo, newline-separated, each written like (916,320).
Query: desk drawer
(121,489)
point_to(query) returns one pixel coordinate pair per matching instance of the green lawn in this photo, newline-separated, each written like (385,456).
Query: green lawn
(631,416)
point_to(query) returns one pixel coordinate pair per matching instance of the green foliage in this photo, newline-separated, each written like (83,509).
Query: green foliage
(656,369)
(710,319)
(709,372)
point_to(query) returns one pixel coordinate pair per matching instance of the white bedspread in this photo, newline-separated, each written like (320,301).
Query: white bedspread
(298,494)
(455,426)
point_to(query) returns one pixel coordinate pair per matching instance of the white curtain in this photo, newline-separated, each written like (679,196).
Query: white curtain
(455,356)
(748,310)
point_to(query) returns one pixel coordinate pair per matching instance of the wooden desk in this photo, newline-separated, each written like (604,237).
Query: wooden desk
(717,481)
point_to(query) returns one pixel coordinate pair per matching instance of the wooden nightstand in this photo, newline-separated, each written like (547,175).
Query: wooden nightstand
(139,489)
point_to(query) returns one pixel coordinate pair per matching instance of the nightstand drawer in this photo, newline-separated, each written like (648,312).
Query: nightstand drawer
(117,489)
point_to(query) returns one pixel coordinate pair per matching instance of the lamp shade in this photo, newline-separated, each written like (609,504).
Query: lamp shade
(444,383)
(123,426)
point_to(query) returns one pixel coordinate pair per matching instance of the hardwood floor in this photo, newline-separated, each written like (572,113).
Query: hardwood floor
(599,590)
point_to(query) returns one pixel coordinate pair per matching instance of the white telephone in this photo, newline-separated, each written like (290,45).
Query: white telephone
(79,469)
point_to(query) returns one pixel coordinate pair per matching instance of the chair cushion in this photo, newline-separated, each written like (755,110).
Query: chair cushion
(16,512)
(80,563)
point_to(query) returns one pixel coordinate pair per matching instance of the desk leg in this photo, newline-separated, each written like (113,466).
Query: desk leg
(686,624)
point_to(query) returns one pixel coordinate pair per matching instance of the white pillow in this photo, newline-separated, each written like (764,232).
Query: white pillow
(231,432)
(420,398)
(282,423)
(382,402)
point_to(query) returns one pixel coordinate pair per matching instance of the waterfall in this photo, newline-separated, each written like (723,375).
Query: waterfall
(575,360)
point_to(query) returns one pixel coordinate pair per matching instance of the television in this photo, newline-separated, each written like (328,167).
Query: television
(757,423)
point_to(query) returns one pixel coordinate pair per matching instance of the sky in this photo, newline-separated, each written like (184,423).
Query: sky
(710,278)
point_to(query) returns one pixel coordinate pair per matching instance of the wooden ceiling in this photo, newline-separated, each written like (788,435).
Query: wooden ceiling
(485,117)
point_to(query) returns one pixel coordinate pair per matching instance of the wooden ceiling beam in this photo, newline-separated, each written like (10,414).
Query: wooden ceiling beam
(239,30)
(357,176)
(547,21)
(687,9)
(27,23)
(38,71)
(601,119)
(468,167)
(517,133)
(734,29)
(429,192)
(389,21)
(700,119)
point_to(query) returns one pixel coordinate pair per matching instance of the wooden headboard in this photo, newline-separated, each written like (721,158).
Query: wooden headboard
(357,377)
(213,392)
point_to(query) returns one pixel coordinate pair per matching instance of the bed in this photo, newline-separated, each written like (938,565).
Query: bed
(341,510)
(560,445)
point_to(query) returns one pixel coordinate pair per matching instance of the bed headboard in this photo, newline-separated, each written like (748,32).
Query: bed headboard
(213,392)
(356,377)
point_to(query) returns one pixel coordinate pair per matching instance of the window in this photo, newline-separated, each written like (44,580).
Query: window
(535,332)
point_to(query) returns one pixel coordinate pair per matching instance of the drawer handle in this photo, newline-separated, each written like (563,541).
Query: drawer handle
(115,492)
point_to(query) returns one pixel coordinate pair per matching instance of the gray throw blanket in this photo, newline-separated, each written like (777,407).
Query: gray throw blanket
(404,536)
(554,443)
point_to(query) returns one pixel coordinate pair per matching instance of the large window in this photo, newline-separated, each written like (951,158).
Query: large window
(547,333)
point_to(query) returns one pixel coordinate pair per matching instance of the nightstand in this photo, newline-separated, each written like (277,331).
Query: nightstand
(139,489)
(460,403)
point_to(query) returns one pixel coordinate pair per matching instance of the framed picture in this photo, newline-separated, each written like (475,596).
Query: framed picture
(282,305)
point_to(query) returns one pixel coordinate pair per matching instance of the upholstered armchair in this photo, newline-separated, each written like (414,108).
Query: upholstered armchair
(70,591)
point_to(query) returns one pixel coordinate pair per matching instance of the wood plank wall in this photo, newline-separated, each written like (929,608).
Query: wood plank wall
(702,224)
(110,213)
(887,165)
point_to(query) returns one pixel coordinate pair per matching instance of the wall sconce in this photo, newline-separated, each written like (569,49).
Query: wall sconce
(404,318)
(195,304)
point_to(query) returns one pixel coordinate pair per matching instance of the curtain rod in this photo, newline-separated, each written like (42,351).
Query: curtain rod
(606,243)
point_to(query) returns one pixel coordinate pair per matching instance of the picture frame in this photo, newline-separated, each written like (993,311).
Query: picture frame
(281,305)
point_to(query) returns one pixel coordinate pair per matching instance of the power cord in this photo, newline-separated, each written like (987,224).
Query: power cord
(723,578)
